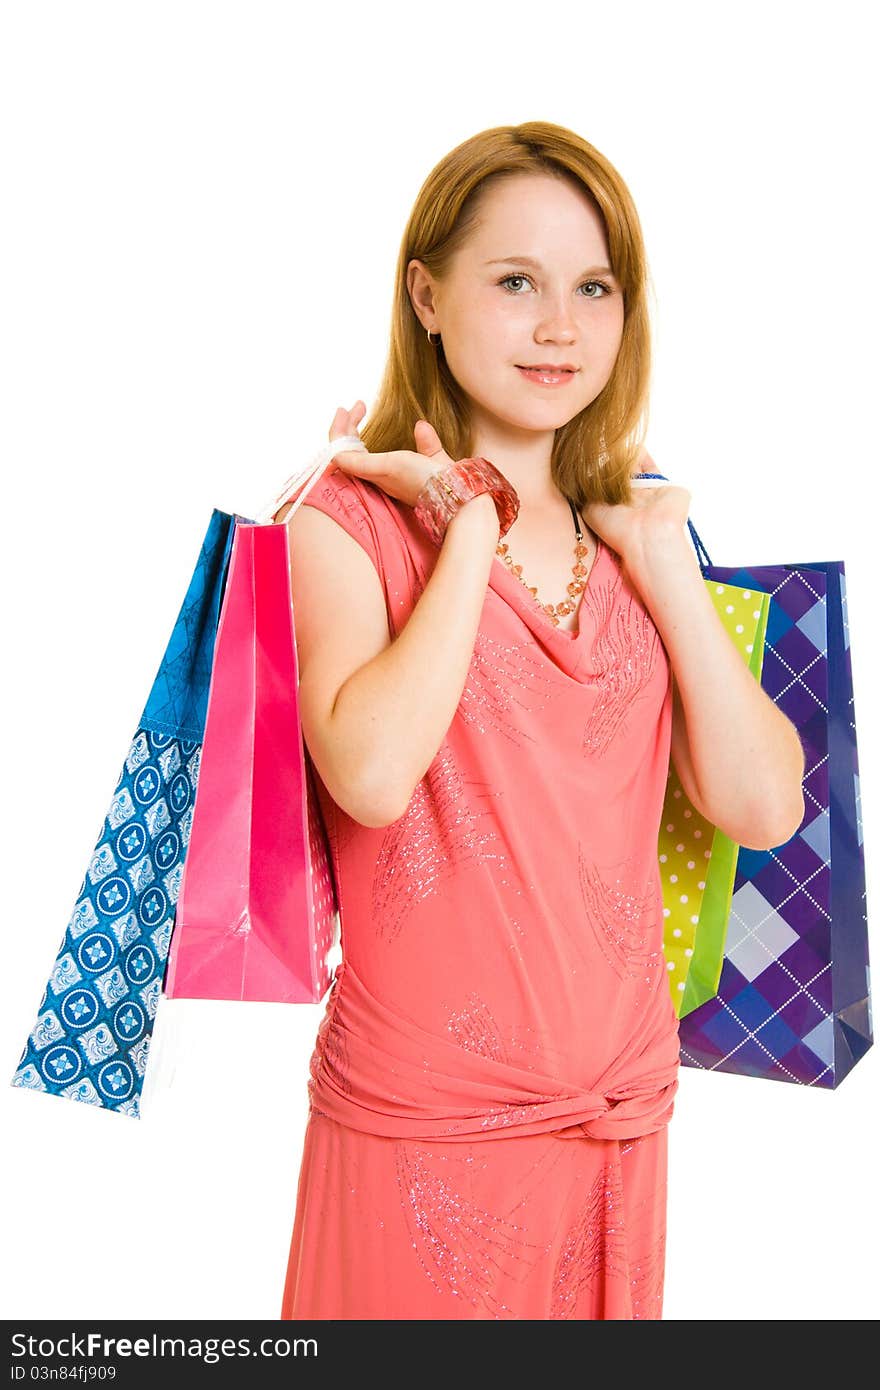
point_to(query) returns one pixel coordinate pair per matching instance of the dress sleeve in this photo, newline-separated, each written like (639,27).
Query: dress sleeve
(402,556)
(353,504)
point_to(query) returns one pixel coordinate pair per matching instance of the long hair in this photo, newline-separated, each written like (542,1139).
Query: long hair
(595,452)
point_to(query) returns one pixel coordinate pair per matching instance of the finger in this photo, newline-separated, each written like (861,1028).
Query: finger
(350,460)
(338,427)
(427,439)
(345,421)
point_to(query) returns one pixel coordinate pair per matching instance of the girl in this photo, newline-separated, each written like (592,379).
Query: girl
(501,644)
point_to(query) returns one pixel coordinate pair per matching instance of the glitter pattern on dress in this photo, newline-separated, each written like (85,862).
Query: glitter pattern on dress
(462,1249)
(593,1245)
(625,924)
(347,506)
(627,1145)
(625,655)
(497,679)
(511,1113)
(429,844)
(647,1280)
(474,1028)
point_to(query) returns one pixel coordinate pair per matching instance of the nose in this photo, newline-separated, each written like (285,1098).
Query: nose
(557,322)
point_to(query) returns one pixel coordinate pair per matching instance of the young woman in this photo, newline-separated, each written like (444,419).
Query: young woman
(501,644)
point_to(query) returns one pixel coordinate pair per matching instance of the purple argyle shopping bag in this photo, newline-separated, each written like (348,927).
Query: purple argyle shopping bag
(793,1001)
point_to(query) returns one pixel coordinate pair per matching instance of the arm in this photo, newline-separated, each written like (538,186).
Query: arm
(739,758)
(374,711)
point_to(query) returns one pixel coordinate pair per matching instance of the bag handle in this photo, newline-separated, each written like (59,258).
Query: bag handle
(655,480)
(309,475)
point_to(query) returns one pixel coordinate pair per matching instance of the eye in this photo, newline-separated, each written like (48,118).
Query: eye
(599,285)
(508,278)
(594,284)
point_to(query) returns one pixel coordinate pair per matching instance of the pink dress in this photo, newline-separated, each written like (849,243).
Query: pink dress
(496,1066)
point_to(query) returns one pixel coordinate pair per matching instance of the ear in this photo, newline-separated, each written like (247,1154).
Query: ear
(419,284)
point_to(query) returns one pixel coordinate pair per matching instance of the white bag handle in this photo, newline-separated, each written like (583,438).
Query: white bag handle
(312,471)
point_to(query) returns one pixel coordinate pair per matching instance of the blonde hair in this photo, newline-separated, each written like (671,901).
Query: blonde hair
(595,452)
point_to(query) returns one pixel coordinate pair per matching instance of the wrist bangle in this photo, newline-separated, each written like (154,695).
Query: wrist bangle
(446,491)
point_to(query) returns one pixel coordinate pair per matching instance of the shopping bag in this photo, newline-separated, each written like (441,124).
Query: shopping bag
(793,999)
(95,1020)
(697,860)
(257,907)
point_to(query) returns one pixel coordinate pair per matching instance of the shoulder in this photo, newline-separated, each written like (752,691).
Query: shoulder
(348,495)
(363,510)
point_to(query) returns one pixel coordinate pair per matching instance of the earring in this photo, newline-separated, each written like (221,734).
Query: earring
(431,340)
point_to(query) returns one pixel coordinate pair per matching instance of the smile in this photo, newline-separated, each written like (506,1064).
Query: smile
(544,377)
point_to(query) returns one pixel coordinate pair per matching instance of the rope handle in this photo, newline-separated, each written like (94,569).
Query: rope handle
(308,475)
(655,480)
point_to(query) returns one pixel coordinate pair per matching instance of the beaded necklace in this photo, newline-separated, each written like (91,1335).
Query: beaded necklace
(555,611)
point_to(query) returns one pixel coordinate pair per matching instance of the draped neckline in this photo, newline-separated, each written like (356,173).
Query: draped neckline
(510,587)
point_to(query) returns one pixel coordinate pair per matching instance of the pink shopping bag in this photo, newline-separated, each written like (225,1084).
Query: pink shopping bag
(257,910)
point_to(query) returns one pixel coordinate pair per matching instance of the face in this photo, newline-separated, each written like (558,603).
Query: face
(552,301)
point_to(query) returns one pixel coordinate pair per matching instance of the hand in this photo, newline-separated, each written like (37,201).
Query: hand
(631,529)
(402,473)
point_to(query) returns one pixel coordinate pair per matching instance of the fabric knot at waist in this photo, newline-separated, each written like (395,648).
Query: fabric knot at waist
(375,1070)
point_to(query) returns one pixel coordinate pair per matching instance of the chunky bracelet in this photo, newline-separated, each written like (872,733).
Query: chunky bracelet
(447,490)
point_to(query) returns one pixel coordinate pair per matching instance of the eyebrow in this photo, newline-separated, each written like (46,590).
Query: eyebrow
(536,265)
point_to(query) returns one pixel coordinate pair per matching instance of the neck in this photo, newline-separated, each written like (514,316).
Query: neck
(524,459)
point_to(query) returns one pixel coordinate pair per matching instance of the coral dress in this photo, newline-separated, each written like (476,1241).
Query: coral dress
(495,1069)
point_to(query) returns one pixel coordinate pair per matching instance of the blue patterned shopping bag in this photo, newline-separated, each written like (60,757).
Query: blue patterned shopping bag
(95,1020)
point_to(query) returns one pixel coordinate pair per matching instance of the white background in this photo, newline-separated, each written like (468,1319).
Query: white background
(202,209)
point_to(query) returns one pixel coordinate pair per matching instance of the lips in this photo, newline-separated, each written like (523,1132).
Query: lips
(546,367)
(548,378)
